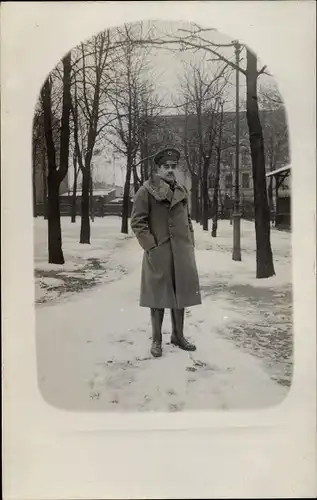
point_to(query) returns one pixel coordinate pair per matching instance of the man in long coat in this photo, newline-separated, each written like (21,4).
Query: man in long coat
(161,222)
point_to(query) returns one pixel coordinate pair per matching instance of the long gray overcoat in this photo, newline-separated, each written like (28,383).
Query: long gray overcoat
(161,222)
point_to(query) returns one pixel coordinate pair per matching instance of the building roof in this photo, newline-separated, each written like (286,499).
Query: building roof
(287,168)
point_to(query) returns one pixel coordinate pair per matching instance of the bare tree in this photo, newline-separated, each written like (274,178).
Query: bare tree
(145,128)
(37,148)
(217,176)
(92,82)
(126,140)
(264,255)
(202,92)
(150,109)
(39,154)
(133,90)
(91,194)
(44,168)
(75,139)
(56,174)
(193,163)
(74,191)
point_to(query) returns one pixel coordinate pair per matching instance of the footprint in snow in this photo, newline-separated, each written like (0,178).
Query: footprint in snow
(171,392)
(125,341)
(191,380)
(146,400)
(176,407)
(95,395)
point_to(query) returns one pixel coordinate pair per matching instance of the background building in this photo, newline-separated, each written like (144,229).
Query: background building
(175,129)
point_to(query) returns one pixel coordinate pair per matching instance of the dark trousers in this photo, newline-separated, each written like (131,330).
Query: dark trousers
(177,317)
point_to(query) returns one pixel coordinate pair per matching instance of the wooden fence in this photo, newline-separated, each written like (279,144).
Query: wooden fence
(99,209)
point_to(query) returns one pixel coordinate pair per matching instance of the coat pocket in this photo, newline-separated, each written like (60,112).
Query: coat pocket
(153,253)
(156,261)
(149,252)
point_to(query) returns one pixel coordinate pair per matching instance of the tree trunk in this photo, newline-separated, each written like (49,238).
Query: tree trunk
(270,191)
(44,180)
(135,179)
(198,202)
(142,174)
(55,176)
(91,198)
(221,204)
(74,207)
(74,194)
(201,201)
(126,199)
(55,253)
(145,163)
(194,197)
(34,181)
(264,256)
(199,196)
(215,196)
(217,179)
(85,222)
(65,128)
(205,195)
(270,195)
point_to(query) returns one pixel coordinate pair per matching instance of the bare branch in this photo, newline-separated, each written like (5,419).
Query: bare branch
(263,71)
(189,45)
(193,34)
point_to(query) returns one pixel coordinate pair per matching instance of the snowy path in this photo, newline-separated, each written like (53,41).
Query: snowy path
(93,353)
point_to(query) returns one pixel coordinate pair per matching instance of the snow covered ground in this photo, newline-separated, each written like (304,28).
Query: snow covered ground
(93,341)
(85,265)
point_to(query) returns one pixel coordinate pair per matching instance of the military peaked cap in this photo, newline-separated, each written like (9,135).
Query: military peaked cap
(166,154)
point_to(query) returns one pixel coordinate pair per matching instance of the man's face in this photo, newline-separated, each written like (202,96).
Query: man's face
(168,170)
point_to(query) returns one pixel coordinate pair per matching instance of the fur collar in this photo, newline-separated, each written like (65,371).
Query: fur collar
(161,191)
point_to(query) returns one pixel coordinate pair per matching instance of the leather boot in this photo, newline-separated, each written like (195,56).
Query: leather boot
(157,316)
(178,338)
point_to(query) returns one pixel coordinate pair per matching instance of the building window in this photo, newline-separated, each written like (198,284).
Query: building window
(245,181)
(228,181)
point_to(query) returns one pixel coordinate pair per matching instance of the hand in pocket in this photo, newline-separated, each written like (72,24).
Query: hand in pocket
(152,250)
